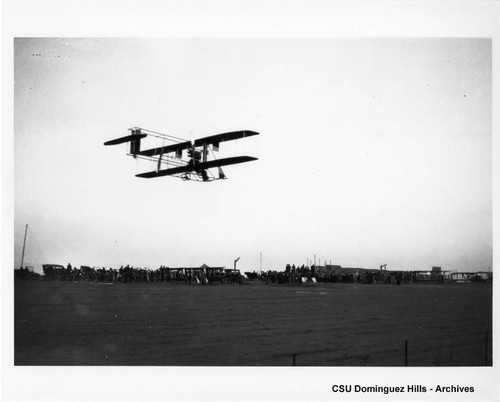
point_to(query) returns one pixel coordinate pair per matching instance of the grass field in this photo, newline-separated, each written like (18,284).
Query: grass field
(157,324)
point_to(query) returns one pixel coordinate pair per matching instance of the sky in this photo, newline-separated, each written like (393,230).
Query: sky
(371,151)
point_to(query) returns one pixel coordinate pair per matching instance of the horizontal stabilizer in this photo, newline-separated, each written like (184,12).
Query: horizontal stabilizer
(215,139)
(128,138)
(166,149)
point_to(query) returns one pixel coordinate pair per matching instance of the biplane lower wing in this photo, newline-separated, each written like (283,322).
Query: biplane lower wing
(215,139)
(166,172)
(224,162)
(128,138)
(198,167)
(166,149)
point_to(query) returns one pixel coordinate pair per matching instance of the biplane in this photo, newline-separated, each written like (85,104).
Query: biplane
(187,160)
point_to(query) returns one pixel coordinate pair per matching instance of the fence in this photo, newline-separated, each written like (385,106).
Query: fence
(474,351)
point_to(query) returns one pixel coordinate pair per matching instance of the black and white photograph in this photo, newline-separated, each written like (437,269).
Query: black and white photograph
(215,203)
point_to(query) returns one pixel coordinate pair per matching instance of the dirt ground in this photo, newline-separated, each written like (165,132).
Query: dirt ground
(159,324)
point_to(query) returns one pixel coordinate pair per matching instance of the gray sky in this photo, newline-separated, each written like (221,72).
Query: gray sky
(372,151)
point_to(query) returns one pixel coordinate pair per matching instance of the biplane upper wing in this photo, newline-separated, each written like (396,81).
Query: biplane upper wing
(215,139)
(166,172)
(166,149)
(128,138)
(224,162)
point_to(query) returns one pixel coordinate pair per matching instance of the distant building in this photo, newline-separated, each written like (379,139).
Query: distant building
(328,269)
(471,276)
(436,274)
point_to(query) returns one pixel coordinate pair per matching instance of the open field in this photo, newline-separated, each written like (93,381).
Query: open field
(156,324)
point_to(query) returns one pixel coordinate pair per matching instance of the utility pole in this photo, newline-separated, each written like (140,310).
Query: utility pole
(24,244)
(235,261)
